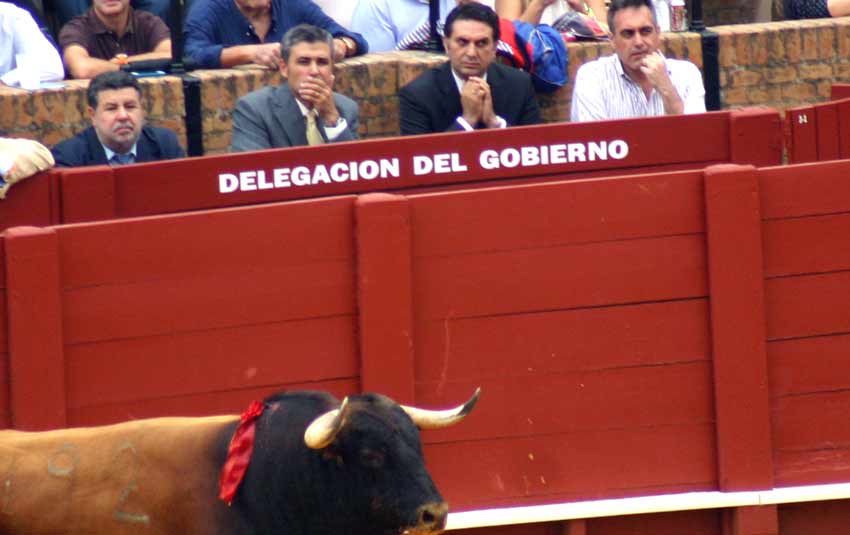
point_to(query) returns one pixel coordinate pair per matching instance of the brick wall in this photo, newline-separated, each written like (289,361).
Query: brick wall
(779,64)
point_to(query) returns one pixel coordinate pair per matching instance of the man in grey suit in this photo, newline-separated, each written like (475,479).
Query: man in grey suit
(303,111)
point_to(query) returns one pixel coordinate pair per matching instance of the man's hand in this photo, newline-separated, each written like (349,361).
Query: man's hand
(320,96)
(488,116)
(340,49)
(267,55)
(472,100)
(28,157)
(654,68)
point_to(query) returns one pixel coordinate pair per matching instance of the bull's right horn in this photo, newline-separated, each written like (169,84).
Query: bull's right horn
(425,419)
(324,428)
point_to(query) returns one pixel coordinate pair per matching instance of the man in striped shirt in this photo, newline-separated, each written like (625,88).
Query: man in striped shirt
(636,81)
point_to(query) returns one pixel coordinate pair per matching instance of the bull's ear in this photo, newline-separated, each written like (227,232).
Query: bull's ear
(425,419)
(322,431)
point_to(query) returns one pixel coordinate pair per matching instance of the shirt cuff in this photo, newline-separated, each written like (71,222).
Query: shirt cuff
(502,123)
(464,124)
(336,130)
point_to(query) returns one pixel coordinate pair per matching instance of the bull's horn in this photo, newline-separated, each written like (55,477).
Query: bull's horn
(324,428)
(425,419)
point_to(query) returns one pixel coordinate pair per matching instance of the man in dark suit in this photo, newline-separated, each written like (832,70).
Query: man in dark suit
(303,111)
(470,91)
(118,134)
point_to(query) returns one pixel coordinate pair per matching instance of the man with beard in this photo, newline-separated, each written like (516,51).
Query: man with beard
(637,81)
(118,134)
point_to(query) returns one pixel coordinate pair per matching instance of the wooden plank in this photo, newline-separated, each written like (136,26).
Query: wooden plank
(823,518)
(705,522)
(36,361)
(802,134)
(812,467)
(839,91)
(806,245)
(385,310)
(201,404)
(843,111)
(737,327)
(812,422)
(540,405)
(748,125)
(30,202)
(194,303)
(182,364)
(828,134)
(88,194)
(807,305)
(808,189)
(755,520)
(808,365)
(152,188)
(558,278)
(571,467)
(164,247)
(546,215)
(539,345)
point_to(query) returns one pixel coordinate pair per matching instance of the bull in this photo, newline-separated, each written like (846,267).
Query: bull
(298,463)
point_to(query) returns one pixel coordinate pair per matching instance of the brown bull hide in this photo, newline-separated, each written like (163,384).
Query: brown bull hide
(120,479)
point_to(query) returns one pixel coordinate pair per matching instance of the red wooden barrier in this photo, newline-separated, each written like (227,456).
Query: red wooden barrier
(819,132)
(34,201)
(840,91)
(649,334)
(554,151)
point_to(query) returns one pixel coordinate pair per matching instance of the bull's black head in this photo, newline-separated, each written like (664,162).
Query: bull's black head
(359,470)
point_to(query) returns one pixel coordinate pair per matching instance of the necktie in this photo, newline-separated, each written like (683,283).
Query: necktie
(122,159)
(314,136)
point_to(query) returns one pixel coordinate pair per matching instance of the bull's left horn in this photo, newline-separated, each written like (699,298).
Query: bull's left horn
(324,428)
(425,419)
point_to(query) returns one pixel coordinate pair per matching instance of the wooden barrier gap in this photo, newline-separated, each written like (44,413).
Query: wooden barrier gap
(663,503)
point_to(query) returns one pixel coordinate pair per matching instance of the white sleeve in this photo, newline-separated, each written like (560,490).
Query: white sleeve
(40,54)
(588,103)
(693,94)
(372,19)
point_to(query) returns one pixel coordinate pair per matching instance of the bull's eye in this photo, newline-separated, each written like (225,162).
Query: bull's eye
(371,458)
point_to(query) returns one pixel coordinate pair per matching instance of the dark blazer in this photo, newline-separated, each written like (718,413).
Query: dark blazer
(270,118)
(431,103)
(85,148)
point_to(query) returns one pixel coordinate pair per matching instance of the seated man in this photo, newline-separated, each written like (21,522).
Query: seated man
(110,34)
(19,159)
(304,110)
(470,91)
(118,134)
(637,81)
(21,39)
(225,33)
(817,9)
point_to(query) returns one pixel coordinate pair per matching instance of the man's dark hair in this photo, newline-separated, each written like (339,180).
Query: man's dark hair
(304,33)
(618,5)
(473,11)
(110,80)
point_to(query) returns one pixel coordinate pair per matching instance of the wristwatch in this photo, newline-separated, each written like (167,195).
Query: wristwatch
(122,59)
(350,46)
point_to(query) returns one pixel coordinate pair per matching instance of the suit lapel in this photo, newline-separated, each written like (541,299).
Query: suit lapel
(288,116)
(450,96)
(497,89)
(98,155)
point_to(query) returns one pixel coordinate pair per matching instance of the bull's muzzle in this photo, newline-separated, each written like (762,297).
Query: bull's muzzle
(431,518)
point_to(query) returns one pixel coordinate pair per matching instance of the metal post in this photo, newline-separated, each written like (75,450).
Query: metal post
(697,24)
(194,122)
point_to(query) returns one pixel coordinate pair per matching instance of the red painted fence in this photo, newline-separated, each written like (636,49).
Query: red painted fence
(818,132)
(656,333)
(537,153)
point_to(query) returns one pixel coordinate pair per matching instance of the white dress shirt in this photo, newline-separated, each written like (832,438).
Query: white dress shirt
(603,91)
(20,36)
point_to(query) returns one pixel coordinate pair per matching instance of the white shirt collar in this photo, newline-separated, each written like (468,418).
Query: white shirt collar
(110,153)
(459,80)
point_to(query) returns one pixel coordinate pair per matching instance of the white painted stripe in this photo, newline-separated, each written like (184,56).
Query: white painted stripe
(661,503)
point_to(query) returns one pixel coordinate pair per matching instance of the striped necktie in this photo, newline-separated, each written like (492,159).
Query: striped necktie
(122,159)
(314,136)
